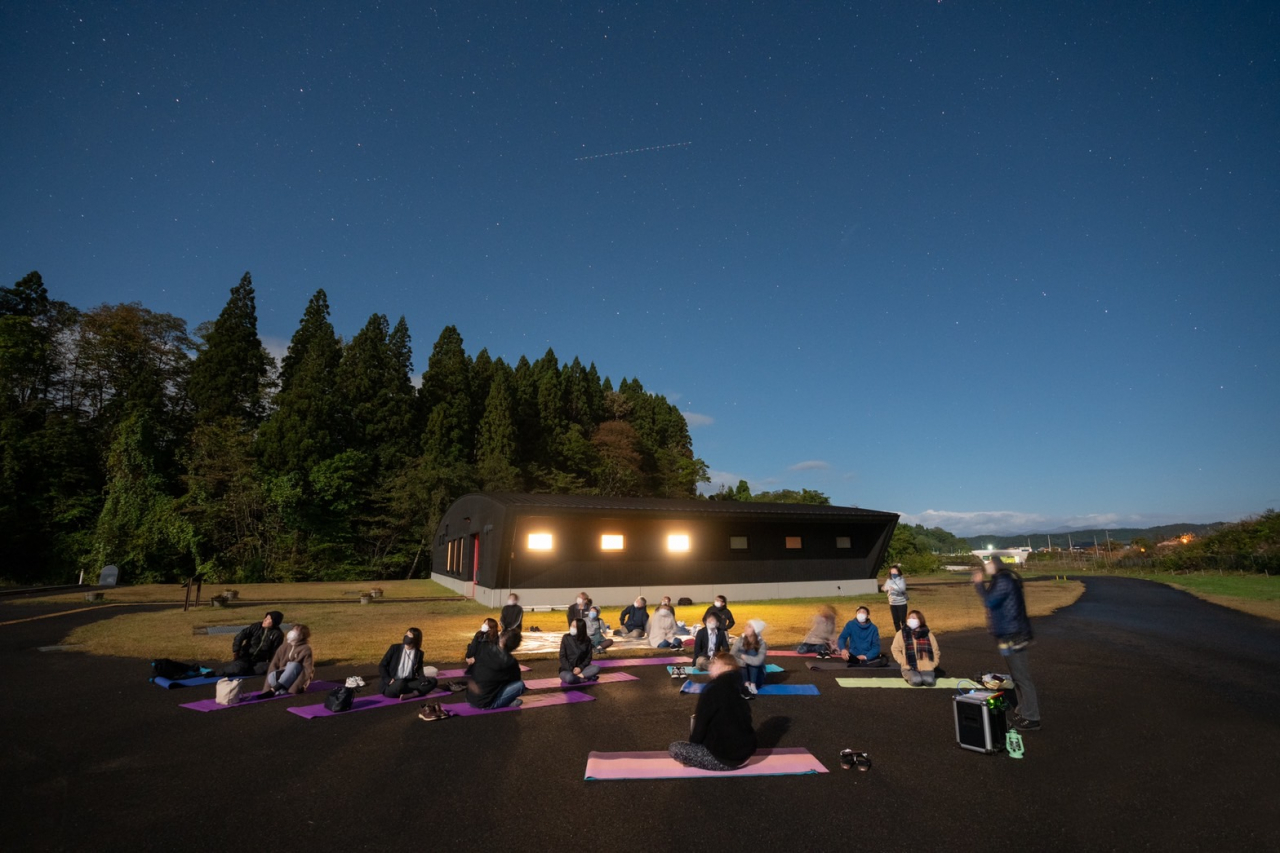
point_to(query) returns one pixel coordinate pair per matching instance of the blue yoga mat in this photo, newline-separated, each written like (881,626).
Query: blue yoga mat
(688,670)
(767,690)
(170,684)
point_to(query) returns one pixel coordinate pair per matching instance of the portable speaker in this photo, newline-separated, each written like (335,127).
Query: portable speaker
(979,727)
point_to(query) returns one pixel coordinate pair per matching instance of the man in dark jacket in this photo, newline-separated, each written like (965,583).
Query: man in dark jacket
(401,668)
(253,647)
(495,679)
(723,737)
(634,620)
(711,640)
(1008,623)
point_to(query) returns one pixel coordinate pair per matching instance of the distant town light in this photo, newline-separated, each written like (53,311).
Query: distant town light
(540,541)
(611,542)
(678,543)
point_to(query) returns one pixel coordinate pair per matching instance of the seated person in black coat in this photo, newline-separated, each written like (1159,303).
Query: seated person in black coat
(723,737)
(254,647)
(720,609)
(496,681)
(401,668)
(487,635)
(711,640)
(634,620)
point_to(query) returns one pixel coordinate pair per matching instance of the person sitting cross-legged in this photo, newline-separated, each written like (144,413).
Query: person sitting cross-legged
(663,628)
(859,642)
(292,667)
(496,682)
(401,668)
(634,621)
(916,651)
(723,737)
(575,655)
(710,641)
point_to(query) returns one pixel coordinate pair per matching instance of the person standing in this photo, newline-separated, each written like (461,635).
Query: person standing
(1001,592)
(720,610)
(896,587)
(512,616)
(578,610)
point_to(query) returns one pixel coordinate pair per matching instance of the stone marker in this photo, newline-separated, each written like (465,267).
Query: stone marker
(109,576)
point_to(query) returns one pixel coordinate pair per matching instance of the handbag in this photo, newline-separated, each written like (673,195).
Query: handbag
(229,691)
(340,699)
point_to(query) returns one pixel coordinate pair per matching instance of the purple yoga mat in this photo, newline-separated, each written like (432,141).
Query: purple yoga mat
(252,698)
(542,700)
(788,761)
(640,661)
(556,683)
(459,673)
(361,703)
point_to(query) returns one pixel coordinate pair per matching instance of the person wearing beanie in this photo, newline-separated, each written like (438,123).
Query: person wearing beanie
(402,671)
(254,646)
(749,650)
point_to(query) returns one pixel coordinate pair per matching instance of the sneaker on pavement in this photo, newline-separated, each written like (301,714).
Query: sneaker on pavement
(1026,725)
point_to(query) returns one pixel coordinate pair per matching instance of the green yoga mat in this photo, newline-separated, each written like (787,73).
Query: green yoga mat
(943,683)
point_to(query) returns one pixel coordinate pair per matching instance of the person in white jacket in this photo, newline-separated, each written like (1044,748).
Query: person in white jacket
(896,587)
(662,629)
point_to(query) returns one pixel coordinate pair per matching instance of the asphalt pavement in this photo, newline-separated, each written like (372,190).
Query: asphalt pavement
(1161,732)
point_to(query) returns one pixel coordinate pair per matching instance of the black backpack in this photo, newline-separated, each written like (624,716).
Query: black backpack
(340,699)
(173,670)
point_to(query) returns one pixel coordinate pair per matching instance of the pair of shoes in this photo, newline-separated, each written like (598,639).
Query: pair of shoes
(850,759)
(456,686)
(1024,725)
(824,654)
(677,672)
(432,711)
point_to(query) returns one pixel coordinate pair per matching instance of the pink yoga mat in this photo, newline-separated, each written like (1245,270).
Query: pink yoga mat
(640,661)
(553,683)
(362,703)
(529,703)
(777,654)
(252,698)
(787,761)
(459,673)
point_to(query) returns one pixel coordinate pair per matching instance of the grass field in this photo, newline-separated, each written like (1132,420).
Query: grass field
(351,633)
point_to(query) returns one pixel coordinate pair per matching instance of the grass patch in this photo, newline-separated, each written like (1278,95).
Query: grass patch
(355,634)
(253,593)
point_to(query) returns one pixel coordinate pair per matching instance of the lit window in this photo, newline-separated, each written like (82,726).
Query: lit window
(844,542)
(611,542)
(793,543)
(678,543)
(539,541)
(737,543)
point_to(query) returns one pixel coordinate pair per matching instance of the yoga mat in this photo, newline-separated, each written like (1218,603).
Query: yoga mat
(786,761)
(556,683)
(841,666)
(459,673)
(943,683)
(688,670)
(170,684)
(603,663)
(361,703)
(256,698)
(529,703)
(767,690)
(771,653)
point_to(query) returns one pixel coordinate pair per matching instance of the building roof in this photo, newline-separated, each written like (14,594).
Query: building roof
(689,506)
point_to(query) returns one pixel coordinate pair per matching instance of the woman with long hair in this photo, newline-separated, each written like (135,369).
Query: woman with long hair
(916,650)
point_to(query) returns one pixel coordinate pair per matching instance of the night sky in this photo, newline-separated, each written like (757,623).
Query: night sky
(995,266)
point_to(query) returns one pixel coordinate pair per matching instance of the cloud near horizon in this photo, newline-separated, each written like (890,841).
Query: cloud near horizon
(693,419)
(810,465)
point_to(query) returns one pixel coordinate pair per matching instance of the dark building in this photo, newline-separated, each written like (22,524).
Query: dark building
(548,547)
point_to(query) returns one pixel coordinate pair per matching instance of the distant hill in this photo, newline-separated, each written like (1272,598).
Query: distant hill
(1086,536)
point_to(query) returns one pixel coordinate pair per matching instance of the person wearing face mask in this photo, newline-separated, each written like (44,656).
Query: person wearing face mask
(916,651)
(859,642)
(681,630)
(750,649)
(720,609)
(487,635)
(254,646)
(578,609)
(402,671)
(634,620)
(1008,622)
(710,641)
(595,630)
(496,681)
(723,737)
(821,639)
(292,668)
(575,655)
(896,587)
(512,616)
(662,629)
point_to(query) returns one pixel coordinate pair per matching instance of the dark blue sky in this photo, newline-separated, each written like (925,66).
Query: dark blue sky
(991,265)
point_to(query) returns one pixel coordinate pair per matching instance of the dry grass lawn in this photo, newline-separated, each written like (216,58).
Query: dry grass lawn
(355,634)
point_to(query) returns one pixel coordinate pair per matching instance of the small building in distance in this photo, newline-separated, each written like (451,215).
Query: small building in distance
(549,547)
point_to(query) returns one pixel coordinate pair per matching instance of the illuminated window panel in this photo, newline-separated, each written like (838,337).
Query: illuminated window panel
(678,543)
(737,543)
(611,542)
(793,543)
(540,542)
(844,542)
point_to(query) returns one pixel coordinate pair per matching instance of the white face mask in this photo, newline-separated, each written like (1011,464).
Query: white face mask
(511,601)
(639,605)
(913,624)
(581,601)
(573,632)
(292,636)
(484,627)
(861,617)
(711,624)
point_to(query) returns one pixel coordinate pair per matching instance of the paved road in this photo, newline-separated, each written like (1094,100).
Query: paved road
(1161,733)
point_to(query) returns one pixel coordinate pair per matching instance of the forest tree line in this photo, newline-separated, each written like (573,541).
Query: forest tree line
(125,439)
